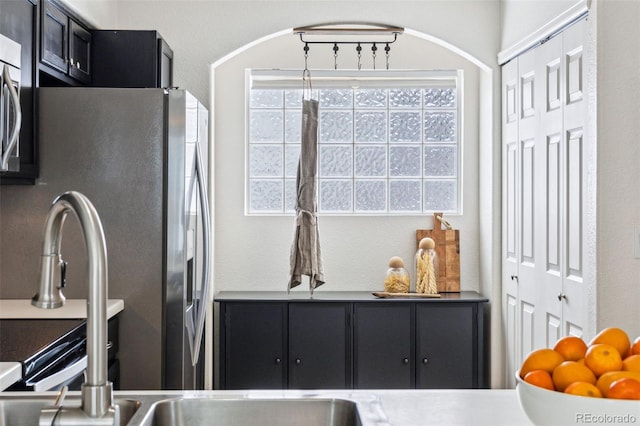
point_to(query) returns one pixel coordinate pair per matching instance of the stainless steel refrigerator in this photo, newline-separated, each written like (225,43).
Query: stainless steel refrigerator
(140,156)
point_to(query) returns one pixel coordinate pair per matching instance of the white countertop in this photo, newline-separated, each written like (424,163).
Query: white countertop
(10,372)
(72,309)
(377,407)
(490,407)
(416,407)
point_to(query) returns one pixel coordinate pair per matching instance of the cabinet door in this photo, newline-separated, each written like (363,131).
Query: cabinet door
(79,52)
(446,335)
(54,43)
(165,66)
(383,346)
(319,342)
(254,351)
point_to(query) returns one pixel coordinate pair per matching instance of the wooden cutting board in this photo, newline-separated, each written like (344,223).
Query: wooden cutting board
(448,250)
(388,295)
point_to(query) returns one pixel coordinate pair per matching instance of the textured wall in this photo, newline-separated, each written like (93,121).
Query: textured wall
(252,253)
(618,166)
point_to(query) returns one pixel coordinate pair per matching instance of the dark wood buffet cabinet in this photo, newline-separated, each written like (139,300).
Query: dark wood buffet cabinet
(341,340)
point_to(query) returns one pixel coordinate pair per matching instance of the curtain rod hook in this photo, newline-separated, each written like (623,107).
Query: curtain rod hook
(306,55)
(374,48)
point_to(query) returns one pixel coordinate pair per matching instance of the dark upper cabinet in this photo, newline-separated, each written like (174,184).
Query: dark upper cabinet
(383,346)
(131,58)
(18,21)
(319,346)
(80,47)
(65,46)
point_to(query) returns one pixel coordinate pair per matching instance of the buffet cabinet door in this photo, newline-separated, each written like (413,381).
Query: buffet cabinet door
(447,348)
(383,346)
(254,345)
(319,345)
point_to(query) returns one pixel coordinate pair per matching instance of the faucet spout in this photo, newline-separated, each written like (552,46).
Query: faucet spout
(97,393)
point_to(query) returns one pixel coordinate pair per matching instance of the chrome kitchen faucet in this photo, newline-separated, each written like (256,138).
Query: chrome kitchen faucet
(97,392)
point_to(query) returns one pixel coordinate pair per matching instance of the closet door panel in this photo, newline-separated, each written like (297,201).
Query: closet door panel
(574,301)
(549,178)
(531,301)
(510,108)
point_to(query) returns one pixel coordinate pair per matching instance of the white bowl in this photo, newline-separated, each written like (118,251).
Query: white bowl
(545,407)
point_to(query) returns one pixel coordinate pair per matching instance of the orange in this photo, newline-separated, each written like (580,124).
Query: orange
(635,347)
(606,379)
(583,389)
(541,359)
(615,337)
(539,378)
(631,363)
(601,358)
(625,388)
(569,372)
(572,348)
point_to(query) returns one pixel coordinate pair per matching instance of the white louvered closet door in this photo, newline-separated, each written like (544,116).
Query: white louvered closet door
(542,124)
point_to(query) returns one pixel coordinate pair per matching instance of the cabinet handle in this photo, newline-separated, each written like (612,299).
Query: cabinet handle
(562,296)
(298,361)
(71,62)
(405,361)
(425,361)
(278,360)
(514,278)
(78,64)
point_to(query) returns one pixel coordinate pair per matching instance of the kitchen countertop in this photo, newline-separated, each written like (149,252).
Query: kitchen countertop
(340,296)
(468,407)
(73,308)
(10,372)
(21,309)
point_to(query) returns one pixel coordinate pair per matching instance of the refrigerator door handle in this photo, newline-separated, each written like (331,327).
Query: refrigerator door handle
(17,117)
(195,314)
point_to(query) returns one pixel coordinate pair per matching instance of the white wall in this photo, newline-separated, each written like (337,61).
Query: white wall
(618,166)
(252,253)
(202,32)
(99,13)
(519,18)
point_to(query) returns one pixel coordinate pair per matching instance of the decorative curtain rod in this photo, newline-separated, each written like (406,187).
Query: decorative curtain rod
(354,33)
(349,34)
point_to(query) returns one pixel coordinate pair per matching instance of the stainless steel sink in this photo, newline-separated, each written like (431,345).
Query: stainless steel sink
(241,412)
(20,411)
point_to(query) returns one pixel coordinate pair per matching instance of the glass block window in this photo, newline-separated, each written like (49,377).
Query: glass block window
(386,145)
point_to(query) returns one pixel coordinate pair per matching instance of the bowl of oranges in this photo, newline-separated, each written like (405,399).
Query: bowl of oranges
(583,383)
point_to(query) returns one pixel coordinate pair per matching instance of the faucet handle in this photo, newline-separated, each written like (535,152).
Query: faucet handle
(63,273)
